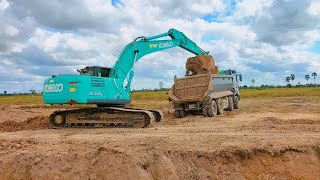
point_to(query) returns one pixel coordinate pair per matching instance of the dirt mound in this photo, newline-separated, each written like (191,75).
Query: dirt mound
(201,64)
(33,123)
(94,161)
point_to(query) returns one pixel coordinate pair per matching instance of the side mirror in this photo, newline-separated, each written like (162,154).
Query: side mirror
(240,77)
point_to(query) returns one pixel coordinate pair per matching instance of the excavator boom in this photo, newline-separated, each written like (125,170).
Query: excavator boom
(142,46)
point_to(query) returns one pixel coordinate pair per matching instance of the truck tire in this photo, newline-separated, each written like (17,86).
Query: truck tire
(180,113)
(205,111)
(213,109)
(177,113)
(183,113)
(220,106)
(235,102)
(230,103)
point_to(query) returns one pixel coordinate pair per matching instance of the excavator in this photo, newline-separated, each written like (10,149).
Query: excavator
(109,88)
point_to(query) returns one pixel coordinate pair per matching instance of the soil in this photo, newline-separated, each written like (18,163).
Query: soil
(267,138)
(201,64)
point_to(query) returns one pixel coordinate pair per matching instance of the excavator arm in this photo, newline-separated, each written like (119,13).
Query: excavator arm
(141,46)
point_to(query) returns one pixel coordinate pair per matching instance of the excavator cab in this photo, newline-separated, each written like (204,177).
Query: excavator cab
(95,71)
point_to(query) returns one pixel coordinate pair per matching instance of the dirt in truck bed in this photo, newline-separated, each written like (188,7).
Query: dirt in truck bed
(201,64)
(267,138)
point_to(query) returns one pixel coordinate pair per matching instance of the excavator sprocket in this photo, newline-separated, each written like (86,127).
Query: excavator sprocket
(104,117)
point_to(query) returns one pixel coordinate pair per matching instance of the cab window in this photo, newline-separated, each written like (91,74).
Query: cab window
(104,72)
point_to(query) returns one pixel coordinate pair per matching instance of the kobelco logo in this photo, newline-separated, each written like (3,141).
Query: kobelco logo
(53,88)
(165,45)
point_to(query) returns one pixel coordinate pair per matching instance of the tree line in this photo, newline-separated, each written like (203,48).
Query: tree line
(291,78)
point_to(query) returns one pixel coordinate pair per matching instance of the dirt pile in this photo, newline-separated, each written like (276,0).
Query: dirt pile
(94,161)
(201,64)
(32,123)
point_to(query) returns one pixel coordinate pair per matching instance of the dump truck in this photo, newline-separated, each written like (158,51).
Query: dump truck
(207,94)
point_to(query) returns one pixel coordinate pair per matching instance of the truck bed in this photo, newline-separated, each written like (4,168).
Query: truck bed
(196,88)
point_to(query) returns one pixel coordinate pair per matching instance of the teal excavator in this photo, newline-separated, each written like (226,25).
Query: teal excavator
(109,88)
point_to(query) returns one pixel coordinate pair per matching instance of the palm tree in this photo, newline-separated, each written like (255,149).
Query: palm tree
(307,77)
(252,80)
(161,85)
(33,92)
(287,80)
(314,74)
(292,77)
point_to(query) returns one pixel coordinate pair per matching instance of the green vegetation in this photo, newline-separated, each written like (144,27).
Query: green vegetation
(150,96)
(154,96)
(21,99)
(280,92)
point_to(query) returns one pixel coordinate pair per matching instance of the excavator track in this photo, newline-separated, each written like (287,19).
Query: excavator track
(103,117)
(157,113)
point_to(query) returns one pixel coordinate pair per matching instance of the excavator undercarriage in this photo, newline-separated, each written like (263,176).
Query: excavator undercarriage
(105,117)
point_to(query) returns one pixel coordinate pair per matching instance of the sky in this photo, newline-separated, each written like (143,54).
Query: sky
(262,39)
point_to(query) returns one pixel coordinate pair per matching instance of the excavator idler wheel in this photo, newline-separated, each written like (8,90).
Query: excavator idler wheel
(157,114)
(57,120)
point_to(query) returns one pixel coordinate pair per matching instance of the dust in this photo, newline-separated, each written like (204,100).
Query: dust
(32,123)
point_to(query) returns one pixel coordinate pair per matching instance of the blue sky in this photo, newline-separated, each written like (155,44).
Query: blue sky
(316,47)
(263,39)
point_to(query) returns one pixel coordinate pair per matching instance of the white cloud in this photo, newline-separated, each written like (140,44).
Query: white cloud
(3,4)
(77,44)
(314,9)
(247,8)
(269,37)
(11,31)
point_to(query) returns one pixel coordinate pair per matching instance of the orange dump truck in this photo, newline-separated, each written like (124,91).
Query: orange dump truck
(207,94)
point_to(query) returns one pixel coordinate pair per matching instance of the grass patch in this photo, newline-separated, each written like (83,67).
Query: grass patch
(153,96)
(279,92)
(149,98)
(21,99)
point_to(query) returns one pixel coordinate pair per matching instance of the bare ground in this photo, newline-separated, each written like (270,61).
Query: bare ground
(266,138)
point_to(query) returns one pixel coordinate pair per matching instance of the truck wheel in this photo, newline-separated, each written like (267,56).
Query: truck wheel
(180,113)
(220,106)
(177,113)
(235,102)
(230,103)
(205,111)
(183,113)
(213,109)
